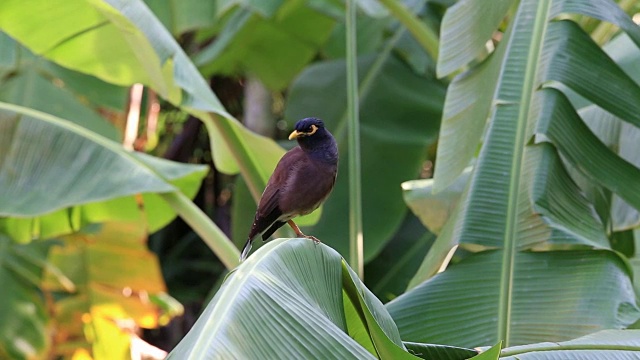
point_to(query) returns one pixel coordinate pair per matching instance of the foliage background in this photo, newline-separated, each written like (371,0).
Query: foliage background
(539,237)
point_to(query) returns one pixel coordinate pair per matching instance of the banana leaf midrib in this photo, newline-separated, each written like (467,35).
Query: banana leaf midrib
(523,101)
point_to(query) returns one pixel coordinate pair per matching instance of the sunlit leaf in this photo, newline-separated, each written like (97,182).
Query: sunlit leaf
(432,208)
(38,84)
(117,280)
(296,290)
(123,43)
(463,40)
(99,178)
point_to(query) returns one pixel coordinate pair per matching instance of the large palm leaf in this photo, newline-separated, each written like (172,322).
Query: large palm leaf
(519,196)
(293,299)
(123,43)
(97,180)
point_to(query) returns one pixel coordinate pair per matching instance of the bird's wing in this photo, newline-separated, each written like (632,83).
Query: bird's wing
(269,207)
(268,211)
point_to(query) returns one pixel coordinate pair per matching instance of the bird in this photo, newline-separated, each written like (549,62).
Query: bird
(300,183)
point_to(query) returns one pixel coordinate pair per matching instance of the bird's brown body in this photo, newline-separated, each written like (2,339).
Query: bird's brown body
(300,183)
(287,196)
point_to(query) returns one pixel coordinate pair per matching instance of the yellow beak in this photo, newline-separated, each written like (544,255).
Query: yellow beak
(294,135)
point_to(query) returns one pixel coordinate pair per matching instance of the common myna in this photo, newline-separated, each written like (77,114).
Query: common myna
(302,180)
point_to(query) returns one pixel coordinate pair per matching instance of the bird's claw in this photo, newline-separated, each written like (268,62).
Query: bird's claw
(313,238)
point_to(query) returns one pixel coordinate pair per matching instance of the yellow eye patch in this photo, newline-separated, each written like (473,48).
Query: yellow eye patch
(296,134)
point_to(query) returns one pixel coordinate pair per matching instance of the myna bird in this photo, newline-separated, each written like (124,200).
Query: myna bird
(302,181)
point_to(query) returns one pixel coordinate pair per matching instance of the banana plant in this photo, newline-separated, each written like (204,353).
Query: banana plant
(529,257)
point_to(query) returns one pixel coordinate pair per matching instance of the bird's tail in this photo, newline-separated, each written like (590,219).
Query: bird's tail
(246,250)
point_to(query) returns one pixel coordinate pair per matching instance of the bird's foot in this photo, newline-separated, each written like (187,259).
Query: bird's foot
(300,234)
(312,238)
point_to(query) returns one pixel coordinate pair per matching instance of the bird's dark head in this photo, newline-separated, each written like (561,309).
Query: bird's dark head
(314,138)
(307,128)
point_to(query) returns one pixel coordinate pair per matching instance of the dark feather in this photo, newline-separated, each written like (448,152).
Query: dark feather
(276,225)
(268,209)
(268,212)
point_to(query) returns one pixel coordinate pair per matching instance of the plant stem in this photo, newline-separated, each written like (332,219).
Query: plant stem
(356,247)
(248,169)
(421,32)
(211,234)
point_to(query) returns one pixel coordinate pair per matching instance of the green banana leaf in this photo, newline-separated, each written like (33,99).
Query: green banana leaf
(471,37)
(469,99)
(440,352)
(433,208)
(57,177)
(635,260)
(293,299)
(606,345)
(389,273)
(552,213)
(267,8)
(369,37)
(555,296)
(603,345)
(398,126)
(621,138)
(123,43)
(180,16)
(23,314)
(274,44)
(520,195)
(35,83)
(583,149)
